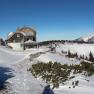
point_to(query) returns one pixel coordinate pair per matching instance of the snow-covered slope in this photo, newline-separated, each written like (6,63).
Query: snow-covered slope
(14,65)
(55,57)
(9,56)
(13,70)
(80,49)
(88,38)
(86,85)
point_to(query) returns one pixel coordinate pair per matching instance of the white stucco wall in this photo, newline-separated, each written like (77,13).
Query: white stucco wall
(16,46)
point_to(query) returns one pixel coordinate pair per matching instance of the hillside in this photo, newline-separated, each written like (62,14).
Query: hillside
(87,38)
(14,70)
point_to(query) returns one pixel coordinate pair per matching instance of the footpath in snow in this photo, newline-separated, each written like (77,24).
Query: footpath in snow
(13,70)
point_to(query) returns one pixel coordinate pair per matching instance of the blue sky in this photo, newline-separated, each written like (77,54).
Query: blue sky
(53,19)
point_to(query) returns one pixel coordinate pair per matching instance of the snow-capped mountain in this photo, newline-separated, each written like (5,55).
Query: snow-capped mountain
(88,38)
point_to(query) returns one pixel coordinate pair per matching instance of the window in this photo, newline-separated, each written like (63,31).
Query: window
(18,35)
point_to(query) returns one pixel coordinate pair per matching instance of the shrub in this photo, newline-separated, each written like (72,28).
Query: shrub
(64,52)
(54,73)
(76,83)
(87,67)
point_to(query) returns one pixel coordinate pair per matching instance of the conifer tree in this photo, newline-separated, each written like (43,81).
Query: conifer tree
(91,58)
(69,53)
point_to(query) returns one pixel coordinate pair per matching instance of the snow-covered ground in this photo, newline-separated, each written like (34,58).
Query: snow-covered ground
(81,49)
(13,69)
(85,86)
(9,56)
(14,66)
(56,57)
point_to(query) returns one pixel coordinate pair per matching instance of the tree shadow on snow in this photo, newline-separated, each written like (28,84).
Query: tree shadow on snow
(5,74)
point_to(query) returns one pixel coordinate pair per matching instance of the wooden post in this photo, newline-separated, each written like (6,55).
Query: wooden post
(23,43)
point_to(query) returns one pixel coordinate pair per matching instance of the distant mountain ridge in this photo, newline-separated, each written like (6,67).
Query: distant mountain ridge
(88,38)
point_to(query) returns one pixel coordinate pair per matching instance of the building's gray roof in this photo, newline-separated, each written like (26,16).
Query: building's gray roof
(26,30)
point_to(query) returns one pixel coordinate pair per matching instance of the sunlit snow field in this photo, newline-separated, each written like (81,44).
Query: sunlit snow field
(22,81)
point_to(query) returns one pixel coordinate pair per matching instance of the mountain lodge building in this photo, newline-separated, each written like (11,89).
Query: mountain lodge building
(23,38)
